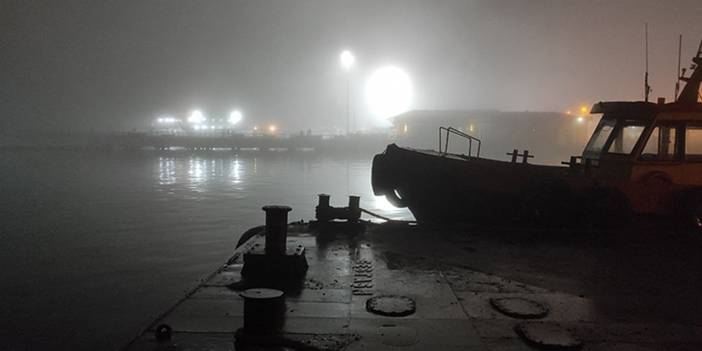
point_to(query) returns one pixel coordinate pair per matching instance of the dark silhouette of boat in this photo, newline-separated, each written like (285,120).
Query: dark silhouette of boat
(642,158)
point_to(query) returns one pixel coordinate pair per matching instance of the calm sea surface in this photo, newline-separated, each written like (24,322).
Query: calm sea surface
(93,246)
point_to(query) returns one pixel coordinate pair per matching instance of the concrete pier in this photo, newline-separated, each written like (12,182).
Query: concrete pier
(612,291)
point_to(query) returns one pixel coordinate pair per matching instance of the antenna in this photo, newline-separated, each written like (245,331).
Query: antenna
(647,88)
(699,55)
(690,94)
(677,82)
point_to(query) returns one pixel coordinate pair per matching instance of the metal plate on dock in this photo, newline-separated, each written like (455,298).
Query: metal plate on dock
(391,305)
(548,335)
(519,307)
(261,294)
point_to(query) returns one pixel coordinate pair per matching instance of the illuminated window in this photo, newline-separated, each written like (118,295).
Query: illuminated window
(627,136)
(661,145)
(599,138)
(693,141)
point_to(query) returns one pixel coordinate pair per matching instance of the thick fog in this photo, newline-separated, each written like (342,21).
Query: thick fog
(95,65)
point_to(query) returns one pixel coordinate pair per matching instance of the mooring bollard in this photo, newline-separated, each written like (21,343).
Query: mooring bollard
(264,311)
(323,200)
(323,208)
(354,208)
(276,229)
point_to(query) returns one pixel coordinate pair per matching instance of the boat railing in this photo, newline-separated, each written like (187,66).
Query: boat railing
(443,146)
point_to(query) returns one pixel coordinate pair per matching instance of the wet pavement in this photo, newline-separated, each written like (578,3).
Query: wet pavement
(624,291)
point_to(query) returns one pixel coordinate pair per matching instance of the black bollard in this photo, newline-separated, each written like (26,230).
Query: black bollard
(323,200)
(275,266)
(354,208)
(264,311)
(322,210)
(276,229)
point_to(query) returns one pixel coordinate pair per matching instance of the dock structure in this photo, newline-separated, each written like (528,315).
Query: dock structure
(456,289)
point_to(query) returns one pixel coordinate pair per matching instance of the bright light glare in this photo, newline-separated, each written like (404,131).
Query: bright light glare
(166,120)
(272,128)
(347,59)
(383,204)
(580,119)
(583,109)
(196,117)
(388,92)
(235,117)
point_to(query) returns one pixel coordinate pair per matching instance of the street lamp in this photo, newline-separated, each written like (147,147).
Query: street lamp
(347,61)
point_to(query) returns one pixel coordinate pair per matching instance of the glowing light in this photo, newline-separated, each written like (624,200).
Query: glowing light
(255,128)
(580,119)
(347,59)
(383,204)
(388,92)
(235,117)
(196,117)
(166,120)
(583,109)
(569,112)
(404,129)
(471,128)
(272,128)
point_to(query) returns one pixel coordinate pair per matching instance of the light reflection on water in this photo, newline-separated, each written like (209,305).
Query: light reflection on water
(96,245)
(280,179)
(235,174)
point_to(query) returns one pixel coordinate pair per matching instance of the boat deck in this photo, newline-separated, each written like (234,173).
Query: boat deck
(633,290)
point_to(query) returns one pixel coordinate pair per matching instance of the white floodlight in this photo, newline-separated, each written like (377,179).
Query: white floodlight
(347,59)
(235,117)
(389,92)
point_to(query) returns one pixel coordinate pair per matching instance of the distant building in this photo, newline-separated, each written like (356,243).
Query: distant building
(551,136)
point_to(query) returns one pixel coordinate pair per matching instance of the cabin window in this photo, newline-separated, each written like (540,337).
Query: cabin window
(626,137)
(600,136)
(661,144)
(693,141)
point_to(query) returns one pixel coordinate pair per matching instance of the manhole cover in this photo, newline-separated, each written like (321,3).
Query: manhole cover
(261,294)
(397,336)
(550,335)
(391,305)
(518,307)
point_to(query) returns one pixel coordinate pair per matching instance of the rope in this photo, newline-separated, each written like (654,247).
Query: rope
(385,218)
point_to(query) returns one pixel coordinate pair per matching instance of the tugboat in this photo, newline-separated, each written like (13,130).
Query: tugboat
(642,158)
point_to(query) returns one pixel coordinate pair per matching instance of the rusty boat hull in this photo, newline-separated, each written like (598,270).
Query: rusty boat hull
(444,187)
(448,188)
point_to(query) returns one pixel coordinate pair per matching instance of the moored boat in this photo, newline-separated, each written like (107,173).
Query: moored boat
(642,158)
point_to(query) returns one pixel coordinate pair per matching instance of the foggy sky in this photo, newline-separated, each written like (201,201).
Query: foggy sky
(100,65)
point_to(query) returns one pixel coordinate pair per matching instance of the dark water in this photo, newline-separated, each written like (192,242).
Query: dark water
(94,245)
